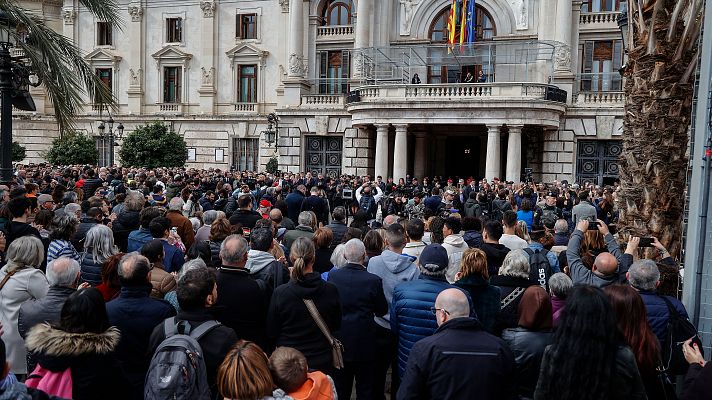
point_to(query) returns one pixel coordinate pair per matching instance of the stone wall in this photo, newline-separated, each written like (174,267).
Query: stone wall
(358,151)
(558,156)
(36,134)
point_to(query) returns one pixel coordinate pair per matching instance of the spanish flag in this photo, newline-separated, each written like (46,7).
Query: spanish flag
(452,25)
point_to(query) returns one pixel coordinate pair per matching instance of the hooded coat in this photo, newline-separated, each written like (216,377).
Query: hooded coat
(96,373)
(393,269)
(472,208)
(454,245)
(263,266)
(495,256)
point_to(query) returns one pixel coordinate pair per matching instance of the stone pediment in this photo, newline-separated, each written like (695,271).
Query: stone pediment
(246,50)
(102,55)
(171,53)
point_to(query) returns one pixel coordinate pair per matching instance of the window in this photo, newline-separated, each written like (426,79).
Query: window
(484,27)
(105,75)
(172,84)
(600,64)
(600,5)
(174,30)
(104,34)
(247,92)
(334,71)
(245,154)
(247,26)
(337,12)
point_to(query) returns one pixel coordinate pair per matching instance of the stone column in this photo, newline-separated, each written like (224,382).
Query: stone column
(564,14)
(363,35)
(494,148)
(136,58)
(381,168)
(420,156)
(208,71)
(296,39)
(400,153)
(514,153)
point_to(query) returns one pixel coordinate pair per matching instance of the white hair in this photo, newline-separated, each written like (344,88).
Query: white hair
(337,256)
(644,275)
(63,272)
(354,251)
(176,204)
(196,223)
(515,264)
(100,242)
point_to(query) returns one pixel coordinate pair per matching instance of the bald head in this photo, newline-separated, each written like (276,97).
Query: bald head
(605,264)
(233,251)
(63,272)
(390,220)
(275,215)
(134,270)
(454,302)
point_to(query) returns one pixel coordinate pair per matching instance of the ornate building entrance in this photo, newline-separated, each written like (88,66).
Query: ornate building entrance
(323,155)
(597,161)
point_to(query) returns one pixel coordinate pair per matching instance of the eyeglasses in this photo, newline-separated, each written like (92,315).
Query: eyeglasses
(434,310)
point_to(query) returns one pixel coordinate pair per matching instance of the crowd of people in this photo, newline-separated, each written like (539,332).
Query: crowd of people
(130,283)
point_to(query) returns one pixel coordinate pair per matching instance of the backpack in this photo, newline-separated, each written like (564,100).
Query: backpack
(548,217)
(678,330)
(540,269)
(498,209)
(367,204)
(177,370)
(53,383)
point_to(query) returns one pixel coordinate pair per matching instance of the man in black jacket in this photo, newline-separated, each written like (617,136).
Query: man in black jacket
(197,293)
(236,288)
(442,366)
(495,252)
(244,215)
(338,226)
(91,184)
(362,299)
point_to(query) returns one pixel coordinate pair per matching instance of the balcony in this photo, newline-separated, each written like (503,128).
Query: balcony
(170,108)
(334,33)
(246,108)
(600,99)
(330,101)
(604,89)
(511,102)
(598,21)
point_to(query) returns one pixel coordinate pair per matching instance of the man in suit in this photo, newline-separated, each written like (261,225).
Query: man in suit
(362,299)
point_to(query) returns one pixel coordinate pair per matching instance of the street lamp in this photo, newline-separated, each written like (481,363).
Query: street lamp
(108,138)
(272,132)
(14,84)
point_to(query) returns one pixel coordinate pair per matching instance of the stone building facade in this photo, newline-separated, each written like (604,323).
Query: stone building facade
(543,91)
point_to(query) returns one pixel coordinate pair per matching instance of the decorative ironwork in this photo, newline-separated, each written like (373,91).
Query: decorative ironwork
(323,155)
(598,161)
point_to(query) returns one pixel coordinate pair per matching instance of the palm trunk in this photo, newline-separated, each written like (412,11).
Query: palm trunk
(658,111)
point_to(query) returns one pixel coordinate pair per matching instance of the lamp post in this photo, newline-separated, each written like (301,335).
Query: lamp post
(110,137)
(272,132)
(14,81)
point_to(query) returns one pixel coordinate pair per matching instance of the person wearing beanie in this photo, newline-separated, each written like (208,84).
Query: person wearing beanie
(411,317)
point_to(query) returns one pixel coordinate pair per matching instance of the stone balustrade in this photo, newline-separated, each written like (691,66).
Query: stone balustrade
(172,108)
(246,107)
(335,32)
(323,100)
(600,99)
(455,91)
(599,20)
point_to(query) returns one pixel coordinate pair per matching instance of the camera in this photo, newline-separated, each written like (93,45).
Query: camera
(646,242)
(347,193)
(528,175)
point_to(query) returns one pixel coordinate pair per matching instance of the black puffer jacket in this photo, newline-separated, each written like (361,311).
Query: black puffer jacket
(124,224)
(90,269)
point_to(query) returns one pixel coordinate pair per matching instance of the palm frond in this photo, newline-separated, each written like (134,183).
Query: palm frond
(58,63)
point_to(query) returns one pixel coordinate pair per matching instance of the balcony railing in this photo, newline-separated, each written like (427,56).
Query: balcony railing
(600,99)
(335,32)
(458,91)
(600,82)
(246,107)
(605,17)
(170,108)
(323,100)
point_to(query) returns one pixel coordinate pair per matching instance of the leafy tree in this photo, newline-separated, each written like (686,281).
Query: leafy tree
(18,152)
(152,146)
(56,60)
(272,165)
(73,148)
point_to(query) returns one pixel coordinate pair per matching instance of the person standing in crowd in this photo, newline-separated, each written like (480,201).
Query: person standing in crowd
(410,320)
(99,247)
(160,228)
(443,365)
(291,373)
(161,281)
(472,232)
(60,245)
(560,286)
(473,277)
(294,202)
(142,235)
(93,217)
(454,245)
(289,322)
(23,281)
(128,220)
(529,339)
(261,264)
(244,215)
(304,229)
(323,238)
(245,374)
(605,270)
(236,288)
(197,294)
(337,226)
(135,315)
(698,381)
(512,280)
(183,224)
(584,209)
(317,204)
(84,344)
(495,251)
(586,344)
(509,238)
(362,300)
(415,228)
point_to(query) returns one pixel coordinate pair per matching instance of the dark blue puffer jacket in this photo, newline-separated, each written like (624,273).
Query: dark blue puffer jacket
(658,313)
(411,318)
(90,270)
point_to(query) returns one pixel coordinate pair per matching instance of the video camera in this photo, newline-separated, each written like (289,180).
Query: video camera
(347,193)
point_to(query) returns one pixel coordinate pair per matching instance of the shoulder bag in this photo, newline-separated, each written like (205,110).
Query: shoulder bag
(337,349)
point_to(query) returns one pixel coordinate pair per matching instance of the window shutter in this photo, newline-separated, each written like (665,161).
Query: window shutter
(166,85)
(587,56)
(238,26)
(323,71)
(179,83)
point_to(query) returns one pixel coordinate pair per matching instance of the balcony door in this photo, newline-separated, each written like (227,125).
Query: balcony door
(334,71)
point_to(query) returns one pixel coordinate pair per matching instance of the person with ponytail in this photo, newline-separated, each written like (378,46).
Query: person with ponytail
(289,322)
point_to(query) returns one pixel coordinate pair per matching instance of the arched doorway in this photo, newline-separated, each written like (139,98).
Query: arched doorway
(485,30)
(336,13)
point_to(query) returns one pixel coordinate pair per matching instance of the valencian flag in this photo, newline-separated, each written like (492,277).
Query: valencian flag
(463,24)
(452,25)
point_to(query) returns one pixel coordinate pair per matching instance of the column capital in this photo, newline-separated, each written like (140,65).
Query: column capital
(208,7)
(401,127)
(136,12)
(382,127)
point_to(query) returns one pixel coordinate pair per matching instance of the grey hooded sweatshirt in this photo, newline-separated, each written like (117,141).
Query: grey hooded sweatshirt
(393,269)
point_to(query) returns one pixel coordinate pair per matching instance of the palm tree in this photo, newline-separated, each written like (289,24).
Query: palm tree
(58,64)
(663,53)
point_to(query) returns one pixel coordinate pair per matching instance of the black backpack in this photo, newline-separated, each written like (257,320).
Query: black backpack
(540,269)
(678,330)
(498,209)
(368,204)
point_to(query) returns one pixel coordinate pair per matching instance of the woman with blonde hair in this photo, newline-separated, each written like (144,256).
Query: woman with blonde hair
(474,278)
(522,230)
(289,322)
(20,280)
(245,374)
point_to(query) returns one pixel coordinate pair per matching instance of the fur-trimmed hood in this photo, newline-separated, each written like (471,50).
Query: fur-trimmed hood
(53,342)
